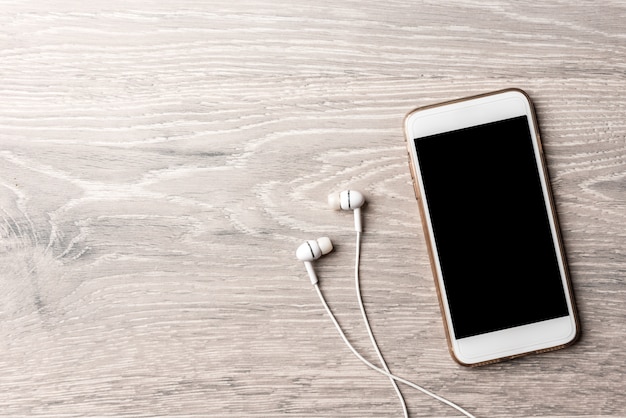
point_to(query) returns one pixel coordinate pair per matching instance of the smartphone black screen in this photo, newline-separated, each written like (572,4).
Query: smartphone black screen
(491,227)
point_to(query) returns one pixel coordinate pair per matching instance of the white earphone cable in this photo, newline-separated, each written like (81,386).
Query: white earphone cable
(367,323)
(378,369)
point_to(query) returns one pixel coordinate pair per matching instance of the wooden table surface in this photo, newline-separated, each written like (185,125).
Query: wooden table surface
(161,161)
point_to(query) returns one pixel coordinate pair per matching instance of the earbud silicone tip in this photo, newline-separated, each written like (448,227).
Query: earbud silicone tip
(334,201)
(325,245)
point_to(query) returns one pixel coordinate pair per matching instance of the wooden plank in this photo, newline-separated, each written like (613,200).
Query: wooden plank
(160,163)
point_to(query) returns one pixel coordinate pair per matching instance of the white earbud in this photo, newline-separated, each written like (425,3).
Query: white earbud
(349,200)
(312,250)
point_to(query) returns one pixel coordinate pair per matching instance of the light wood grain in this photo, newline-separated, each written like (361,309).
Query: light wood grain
(161,161)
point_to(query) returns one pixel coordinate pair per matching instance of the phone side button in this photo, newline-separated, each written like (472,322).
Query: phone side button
(415,190)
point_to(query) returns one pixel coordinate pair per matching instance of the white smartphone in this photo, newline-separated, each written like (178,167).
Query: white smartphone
(491,227)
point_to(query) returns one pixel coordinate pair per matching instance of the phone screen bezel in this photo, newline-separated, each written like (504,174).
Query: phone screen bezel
(465,113)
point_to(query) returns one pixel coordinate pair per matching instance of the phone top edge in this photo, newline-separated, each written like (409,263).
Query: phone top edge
(467,112)
(468,98)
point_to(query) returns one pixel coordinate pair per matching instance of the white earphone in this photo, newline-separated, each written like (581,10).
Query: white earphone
(314,249)
(349,200)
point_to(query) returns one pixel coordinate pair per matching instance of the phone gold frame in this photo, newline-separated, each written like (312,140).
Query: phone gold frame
(431,254)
